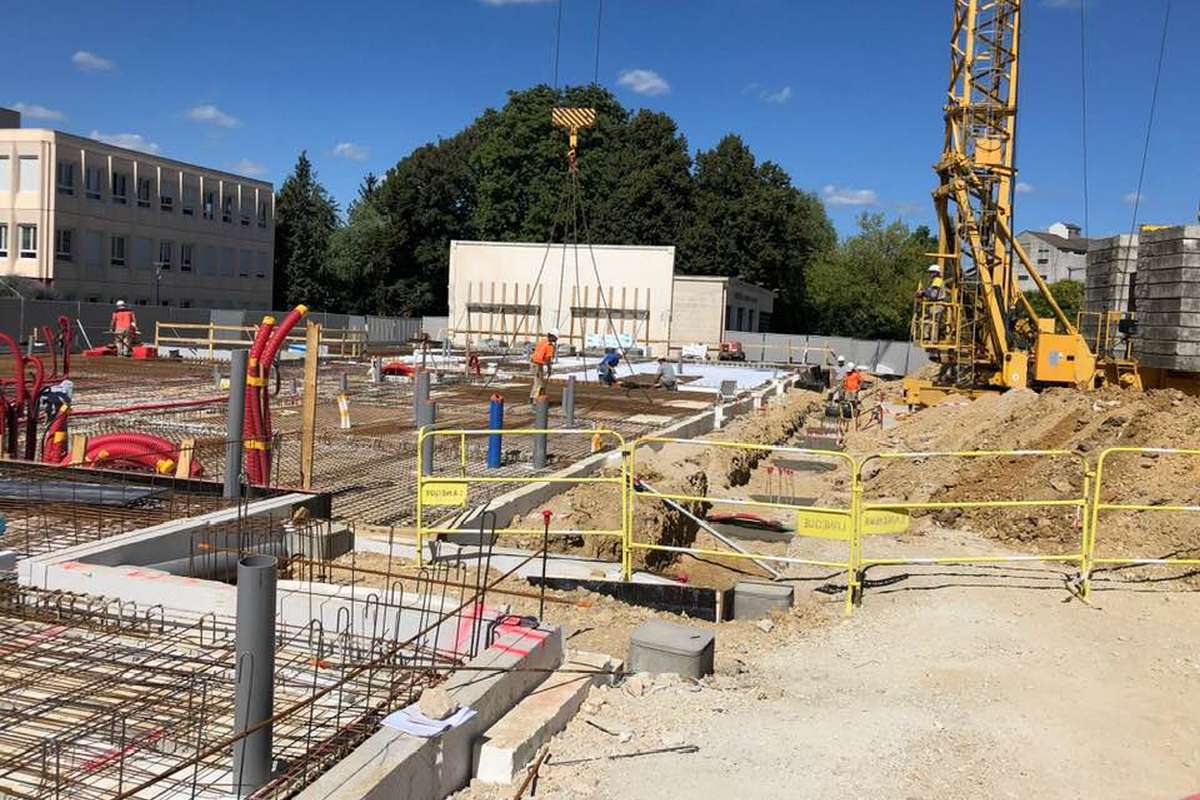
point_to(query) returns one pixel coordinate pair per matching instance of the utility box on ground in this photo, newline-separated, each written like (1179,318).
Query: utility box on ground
(657,646)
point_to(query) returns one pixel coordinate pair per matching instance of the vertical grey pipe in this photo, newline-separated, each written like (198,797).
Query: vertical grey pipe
(254,650)
(427,416)
(238,364)
(541,417)
(420,392)
(568,402)
(343,383)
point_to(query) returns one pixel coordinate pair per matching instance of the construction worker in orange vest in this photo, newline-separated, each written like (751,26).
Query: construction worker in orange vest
(540,361)
(124,328)
(852,383)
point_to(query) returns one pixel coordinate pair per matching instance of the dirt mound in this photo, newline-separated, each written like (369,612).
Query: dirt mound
(1082,424)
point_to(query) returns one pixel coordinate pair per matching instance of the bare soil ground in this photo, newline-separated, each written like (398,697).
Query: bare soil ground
(950,682)
(958,683)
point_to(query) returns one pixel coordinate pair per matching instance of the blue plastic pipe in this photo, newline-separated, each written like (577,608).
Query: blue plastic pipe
(495,423)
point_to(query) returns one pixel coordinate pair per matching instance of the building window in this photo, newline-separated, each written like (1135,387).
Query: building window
(1043,261)
(166,202)
(3,241)
(62,244)
(185,303)
(93,248)
(185,258)
(209,200)
(143,196)
(28,241)
(30,175)
(261,262)
(244,259)
(66,178)
(117,251)
(165,251)
(91,182)
(227,209)
(188,209)
(5,174)
(120,188)
(262,214)
(143,301)
(741,319)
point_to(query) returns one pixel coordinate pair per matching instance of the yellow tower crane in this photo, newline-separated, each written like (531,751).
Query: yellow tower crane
(978,326)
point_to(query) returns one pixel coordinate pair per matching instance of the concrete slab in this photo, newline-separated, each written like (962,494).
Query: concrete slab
(755,599)
(665,647)
(512,743)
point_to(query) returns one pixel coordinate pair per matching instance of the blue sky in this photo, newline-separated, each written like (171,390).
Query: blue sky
(845,95)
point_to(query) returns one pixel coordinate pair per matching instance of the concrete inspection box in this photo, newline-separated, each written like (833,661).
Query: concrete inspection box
(658,646)
(755,599)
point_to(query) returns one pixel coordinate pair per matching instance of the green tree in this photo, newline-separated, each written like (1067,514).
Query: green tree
(864,288)
(305,219)
(1067,293)
(750,222)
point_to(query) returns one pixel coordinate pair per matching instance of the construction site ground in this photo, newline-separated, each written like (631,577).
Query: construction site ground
(951,680)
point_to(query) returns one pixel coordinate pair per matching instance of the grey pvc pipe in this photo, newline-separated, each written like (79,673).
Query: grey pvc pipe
(420,392)
(541,417)
(255,659)
(238,364)
(568,402)
(427,416)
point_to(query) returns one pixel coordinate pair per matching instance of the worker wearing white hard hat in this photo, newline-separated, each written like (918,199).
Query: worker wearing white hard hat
(540,362)
(124,329)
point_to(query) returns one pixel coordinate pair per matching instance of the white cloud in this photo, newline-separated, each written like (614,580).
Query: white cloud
(213,115)
(1133,197)
(644,81)
(781,96)
(514,2)
(90,62)
(34,111)
(130,141)
(350,150)
(845,196)
(1024,188)
(247,167)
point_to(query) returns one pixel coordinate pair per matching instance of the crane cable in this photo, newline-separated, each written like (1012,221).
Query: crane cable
(1087,227)
(1162,49)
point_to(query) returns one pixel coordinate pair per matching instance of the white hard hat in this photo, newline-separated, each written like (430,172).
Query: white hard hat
(935,268)
(841,359)
(120,304)
(67,387)
(850,365)
(552,332)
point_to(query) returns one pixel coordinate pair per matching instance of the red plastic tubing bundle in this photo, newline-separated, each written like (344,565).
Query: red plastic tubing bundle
(134,451)
(256,429)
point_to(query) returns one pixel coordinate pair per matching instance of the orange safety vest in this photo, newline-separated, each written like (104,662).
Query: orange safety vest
(543,354)
(853,381)
(122,320)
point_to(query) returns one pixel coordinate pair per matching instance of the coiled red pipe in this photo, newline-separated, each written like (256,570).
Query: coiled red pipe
(54,445)
(134,451)
(252,418)
(257,429)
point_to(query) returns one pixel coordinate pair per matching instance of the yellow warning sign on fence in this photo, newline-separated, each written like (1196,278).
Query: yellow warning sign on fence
(825,525)
(444,494)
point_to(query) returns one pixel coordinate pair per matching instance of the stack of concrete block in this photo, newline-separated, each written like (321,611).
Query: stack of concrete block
(1111,263)
(1167,293)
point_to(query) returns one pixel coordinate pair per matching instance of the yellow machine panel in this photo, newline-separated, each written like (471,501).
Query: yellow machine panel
(1016,369)
(1063,358)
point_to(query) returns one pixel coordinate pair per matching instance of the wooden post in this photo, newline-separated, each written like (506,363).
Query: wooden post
(308,420)
(78,448)
(187,448)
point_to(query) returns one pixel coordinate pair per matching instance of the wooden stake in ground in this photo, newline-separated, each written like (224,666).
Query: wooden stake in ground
(308,420)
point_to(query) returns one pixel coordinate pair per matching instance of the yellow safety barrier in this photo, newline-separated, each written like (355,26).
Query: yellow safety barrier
(1098,504)
(443,491)
(1080,502)
(817,522)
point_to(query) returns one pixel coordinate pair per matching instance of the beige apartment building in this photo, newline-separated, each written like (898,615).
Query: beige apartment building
(100,223)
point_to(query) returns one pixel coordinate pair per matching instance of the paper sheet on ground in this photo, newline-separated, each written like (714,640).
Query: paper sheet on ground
(411,720)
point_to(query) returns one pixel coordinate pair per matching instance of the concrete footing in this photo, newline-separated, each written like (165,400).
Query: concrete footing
(755,599)
(512,743)
(392,764)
